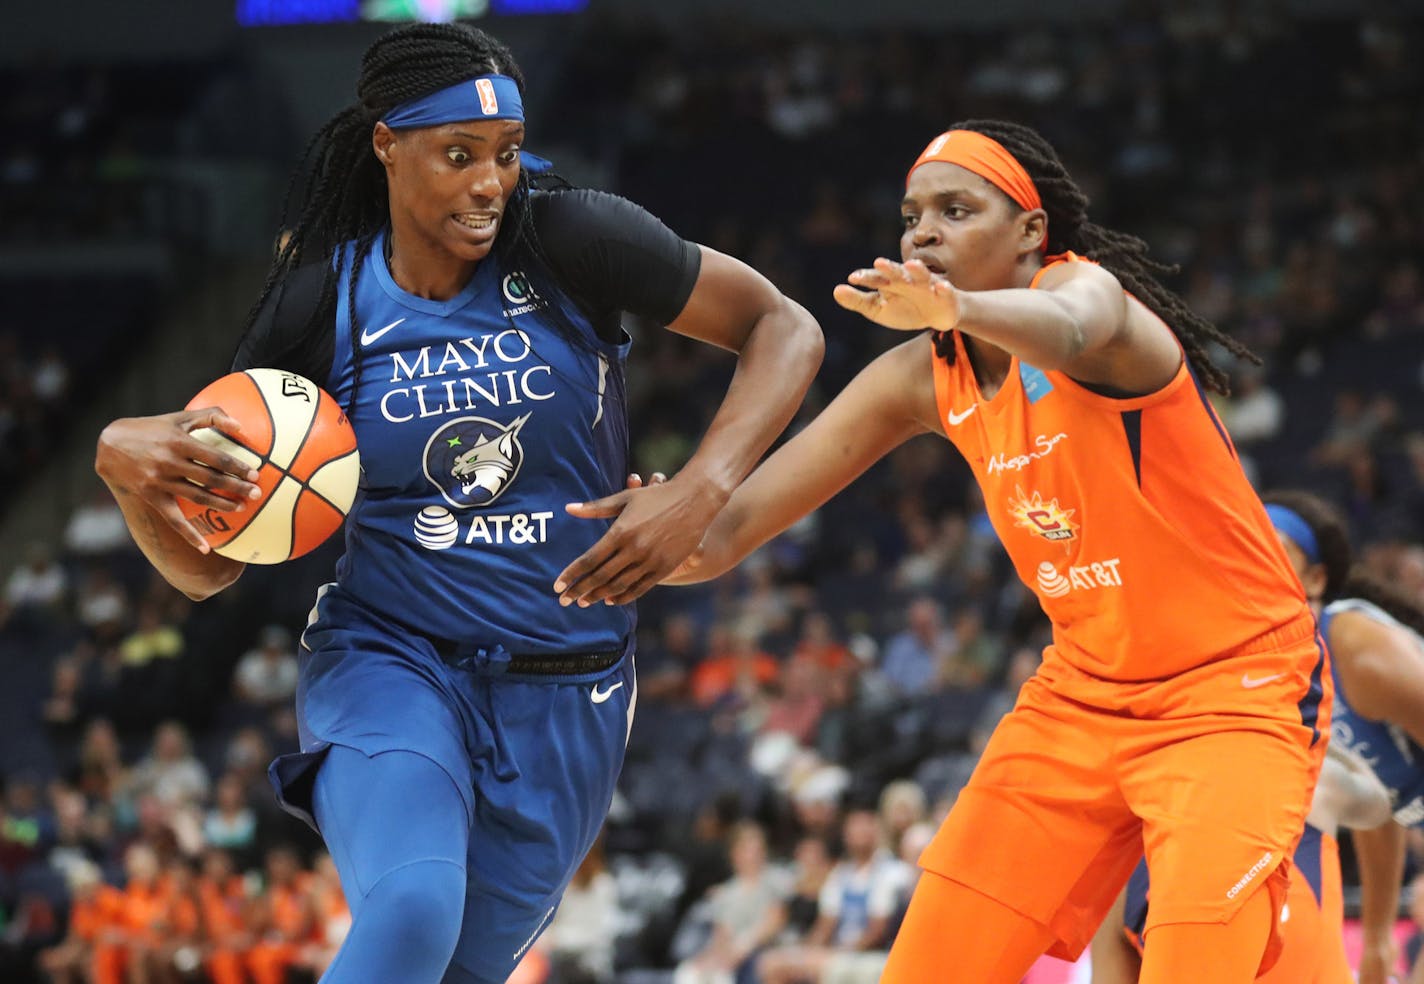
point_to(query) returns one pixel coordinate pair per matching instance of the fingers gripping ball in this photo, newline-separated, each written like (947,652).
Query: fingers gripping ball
(304,450)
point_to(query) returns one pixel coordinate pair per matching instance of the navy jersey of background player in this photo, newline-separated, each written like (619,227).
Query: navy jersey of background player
(478,420)
(1396,758)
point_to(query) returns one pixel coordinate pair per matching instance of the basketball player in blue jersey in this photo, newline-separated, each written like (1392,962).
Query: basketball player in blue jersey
(1376,639)
(461,730)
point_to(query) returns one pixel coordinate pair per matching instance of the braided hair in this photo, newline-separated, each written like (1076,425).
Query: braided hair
(1120,254)
(338,194)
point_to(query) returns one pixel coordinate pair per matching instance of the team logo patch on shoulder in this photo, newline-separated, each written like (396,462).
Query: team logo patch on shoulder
(473,460)
(1046,519)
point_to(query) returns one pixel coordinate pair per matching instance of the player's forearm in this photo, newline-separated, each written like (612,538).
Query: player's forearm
(774,369)
(198,576)
(1380,853)
(1032,324)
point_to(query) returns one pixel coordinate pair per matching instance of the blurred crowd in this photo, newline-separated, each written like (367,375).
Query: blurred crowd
(804,722)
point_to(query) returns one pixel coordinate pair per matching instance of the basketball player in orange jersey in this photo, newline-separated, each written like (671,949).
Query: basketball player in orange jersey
(1348,794)
(1182,709)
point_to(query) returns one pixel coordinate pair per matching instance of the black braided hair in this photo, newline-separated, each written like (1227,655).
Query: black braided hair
(1330,534)
(1122,255)
(338,194)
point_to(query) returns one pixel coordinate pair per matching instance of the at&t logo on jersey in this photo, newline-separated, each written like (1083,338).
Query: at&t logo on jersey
(1079,577)
(473,460)
(436,528)
(1046,519)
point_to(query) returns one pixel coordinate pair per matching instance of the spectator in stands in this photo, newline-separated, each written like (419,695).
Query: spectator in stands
(665,667)
(1254,412)
(224,903)
(333,917)
(73,845)
(96,528)
(153,639)
(100,773)
(1023,664)
(38,586)
(912,657)
(819,645)
(174,951)
(231,823)
(975,656)
(284,918)
(267,675)
(851,937)
(816,798)
(124,941)
(735,669)
(92,906)
(746,912)
(797,709)
(60,710)
(26,828)
(171,771)
(902,805)
(102,605)
(580,939)
(811,866)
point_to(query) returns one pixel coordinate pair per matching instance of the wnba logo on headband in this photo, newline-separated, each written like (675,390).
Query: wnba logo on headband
(489,102)
(488,97)
(987,158)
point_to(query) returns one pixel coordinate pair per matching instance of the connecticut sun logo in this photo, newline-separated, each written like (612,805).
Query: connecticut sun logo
(1046,519)
(473,460)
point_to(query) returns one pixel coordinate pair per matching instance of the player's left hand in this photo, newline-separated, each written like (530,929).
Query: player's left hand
(903,296)
(656,527)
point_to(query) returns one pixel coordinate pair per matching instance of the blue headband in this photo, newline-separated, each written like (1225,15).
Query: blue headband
(1289,522)
(489,97)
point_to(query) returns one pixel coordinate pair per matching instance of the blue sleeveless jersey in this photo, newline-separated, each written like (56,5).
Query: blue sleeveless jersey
(1395,757)
(477,421)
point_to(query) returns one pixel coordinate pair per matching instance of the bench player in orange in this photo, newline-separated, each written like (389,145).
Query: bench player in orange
(285,918)
(1183,706)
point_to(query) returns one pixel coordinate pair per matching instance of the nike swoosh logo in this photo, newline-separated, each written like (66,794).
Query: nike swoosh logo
(599,696)
(368,337)
(1251,683)
(956,419)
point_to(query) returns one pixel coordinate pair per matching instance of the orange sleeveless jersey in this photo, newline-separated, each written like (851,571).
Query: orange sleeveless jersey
(1130,519)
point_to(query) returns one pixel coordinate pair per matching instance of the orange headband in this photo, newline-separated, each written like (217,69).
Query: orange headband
(987,158)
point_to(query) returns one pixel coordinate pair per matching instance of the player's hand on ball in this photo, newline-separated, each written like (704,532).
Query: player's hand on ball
(903,296)
(158,460)
(657,527)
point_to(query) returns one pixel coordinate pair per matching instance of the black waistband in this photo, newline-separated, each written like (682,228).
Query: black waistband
(542,664)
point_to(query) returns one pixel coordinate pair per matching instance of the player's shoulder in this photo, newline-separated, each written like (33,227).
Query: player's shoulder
(583,211)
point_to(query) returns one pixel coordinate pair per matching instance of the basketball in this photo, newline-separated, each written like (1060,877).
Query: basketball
(304,450)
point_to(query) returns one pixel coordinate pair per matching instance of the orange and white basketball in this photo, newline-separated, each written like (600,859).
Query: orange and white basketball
(299,440)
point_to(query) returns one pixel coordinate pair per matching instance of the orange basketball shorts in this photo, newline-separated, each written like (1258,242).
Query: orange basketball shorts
(1209,773)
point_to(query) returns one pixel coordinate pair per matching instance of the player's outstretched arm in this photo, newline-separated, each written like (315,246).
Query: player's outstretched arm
(779,348)
(890,401)
(1075,322)
(147,463)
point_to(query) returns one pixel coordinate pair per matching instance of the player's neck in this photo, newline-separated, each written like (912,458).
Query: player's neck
(423,270)
(990,364)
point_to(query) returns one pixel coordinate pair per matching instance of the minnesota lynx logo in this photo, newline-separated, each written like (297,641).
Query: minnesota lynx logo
(473,460)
